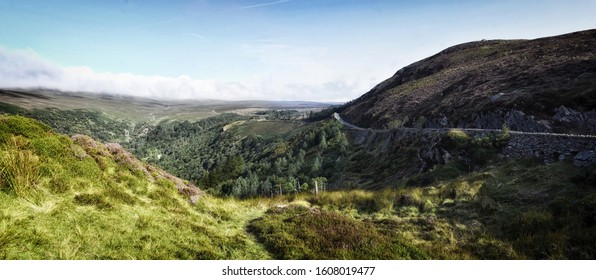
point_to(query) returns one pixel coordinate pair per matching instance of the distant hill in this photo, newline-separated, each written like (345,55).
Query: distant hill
(546,84)
(140,109)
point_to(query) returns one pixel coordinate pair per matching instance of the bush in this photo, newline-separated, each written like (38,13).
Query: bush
(458,137)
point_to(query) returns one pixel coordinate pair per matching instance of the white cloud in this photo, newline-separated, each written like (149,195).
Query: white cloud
(25,64)
(26,69)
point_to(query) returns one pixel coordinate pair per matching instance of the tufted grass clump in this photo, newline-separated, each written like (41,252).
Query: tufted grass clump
(19,168)
(308,233)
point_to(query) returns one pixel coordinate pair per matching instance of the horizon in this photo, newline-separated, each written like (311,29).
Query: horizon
(37,90)
(287,50)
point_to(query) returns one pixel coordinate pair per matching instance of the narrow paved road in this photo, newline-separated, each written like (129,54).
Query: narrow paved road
(351,126)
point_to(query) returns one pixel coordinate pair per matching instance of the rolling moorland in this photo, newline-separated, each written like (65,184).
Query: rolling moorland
(88,176)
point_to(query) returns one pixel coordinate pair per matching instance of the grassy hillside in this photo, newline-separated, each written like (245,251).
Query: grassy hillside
(509,210)
(79,199)
(75,198)
(406,195)
(477,84)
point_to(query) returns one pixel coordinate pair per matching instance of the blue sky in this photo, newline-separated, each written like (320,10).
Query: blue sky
(327,50)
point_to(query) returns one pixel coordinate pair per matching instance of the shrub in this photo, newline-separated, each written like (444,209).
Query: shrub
(126,159)
(458,136)
(503,138)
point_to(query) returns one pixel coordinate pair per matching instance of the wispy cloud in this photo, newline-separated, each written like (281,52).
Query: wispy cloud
(265,4)
(195,35)
(210,11)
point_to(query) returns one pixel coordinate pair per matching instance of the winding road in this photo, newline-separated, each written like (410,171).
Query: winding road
(354,127)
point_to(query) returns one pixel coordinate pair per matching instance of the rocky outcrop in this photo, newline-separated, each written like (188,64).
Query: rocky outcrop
(584,158)
(564,120)
(568,117)
(514,119)
(551,148)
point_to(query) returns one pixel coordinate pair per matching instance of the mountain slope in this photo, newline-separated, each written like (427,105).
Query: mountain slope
(546,84)
(76,198)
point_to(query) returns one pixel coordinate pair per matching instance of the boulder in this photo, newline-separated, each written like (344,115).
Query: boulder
(519,121)
(567,115)
(584,158)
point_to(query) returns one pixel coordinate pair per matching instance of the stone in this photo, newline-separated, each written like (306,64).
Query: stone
(496,97)
(518,120)
(567,115)
(487,120)
(446,156)
(546,124)
(444,122)
(584,158)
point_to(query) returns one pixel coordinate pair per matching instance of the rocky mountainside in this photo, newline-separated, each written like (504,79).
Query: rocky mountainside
(541,85)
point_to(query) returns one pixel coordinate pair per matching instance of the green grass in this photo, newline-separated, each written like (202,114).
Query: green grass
(19,170)
(508,210)
(75,200)
(80,199)
(269,129)
(85,226)
(308,233)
